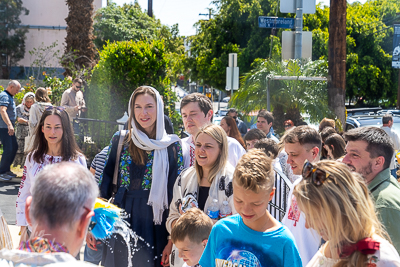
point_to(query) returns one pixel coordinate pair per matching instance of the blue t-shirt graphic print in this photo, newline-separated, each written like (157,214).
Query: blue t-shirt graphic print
(233,244)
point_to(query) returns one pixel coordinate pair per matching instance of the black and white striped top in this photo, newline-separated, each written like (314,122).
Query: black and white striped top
(99,162)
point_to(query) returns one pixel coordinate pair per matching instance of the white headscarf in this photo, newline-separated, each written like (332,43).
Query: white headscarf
(158,198)
(22,107)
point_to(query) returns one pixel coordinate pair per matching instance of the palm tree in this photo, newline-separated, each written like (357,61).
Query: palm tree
(288,98)
(80,51)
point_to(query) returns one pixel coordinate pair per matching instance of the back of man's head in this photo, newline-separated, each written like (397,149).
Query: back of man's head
(266,115)
(303,134)
(61,194)
(386,119)
(325,122)
(204,102)
(254,134)
(269,146)
(379,142)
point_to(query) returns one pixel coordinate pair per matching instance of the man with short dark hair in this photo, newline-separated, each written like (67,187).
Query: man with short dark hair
(387,123)
(264,123)
(7,134)
(301,143)
(72,99)
(369,152)
(240,124)
(197,112)
(59,212)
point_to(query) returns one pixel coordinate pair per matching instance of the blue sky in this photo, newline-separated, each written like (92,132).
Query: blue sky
(184,12)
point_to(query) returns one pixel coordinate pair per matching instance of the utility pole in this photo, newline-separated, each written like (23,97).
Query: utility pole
(209,13)
(398,92)
(337,58)
(298,39)
(150,8)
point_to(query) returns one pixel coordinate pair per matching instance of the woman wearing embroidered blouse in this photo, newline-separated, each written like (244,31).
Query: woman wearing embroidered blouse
(337,204)
(54,142)
(210,178)
(149,163)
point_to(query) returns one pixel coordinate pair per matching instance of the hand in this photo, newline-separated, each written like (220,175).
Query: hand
(91,241)
(166,252)
(24,234)
(76,108)
(10,130)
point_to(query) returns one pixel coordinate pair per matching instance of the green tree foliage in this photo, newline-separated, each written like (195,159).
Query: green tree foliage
(80,52)
(12,37)
(129,22)
(123,67)
(288,98)
(233,30)
(370,76)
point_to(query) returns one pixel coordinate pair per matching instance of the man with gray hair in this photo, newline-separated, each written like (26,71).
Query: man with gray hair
(7,135)
(387,123)
(58,212)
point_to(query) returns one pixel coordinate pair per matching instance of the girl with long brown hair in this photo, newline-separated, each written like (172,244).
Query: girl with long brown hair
(231,129)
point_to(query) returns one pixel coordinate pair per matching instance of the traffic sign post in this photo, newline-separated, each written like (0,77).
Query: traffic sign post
(232,74)
(275,22)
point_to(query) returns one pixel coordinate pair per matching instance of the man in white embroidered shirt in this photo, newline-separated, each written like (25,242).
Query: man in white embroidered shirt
(301,143)
(196,110)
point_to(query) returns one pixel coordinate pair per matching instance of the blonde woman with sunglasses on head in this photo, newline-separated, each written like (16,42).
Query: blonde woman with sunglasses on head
(336,203)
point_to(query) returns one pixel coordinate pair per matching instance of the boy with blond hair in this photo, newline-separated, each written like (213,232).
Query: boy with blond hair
(190,234)
(253,237)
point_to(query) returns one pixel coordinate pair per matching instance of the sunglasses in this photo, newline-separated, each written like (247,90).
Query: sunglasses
(318,176)
(234,118)
(58,108)
(287,125)
(79,87)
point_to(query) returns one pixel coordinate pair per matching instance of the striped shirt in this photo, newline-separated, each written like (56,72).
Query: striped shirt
(99,162)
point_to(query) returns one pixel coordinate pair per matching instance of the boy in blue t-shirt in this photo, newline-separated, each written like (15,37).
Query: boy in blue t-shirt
(253,237)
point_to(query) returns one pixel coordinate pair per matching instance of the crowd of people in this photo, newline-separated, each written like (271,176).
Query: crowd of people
(207,199)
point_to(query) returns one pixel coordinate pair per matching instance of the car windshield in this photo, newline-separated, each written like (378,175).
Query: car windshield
(377,122)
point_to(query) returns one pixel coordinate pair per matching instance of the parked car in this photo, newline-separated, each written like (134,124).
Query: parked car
(371,120)
(217,120)
(222,112)
(226,99)
(388,111)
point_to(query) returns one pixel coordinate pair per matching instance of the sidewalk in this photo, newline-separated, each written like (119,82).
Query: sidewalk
(14,231)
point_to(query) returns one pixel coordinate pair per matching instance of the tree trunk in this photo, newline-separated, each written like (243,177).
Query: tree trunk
(79,40)
(337,58)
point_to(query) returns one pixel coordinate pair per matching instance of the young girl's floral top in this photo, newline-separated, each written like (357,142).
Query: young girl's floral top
(126,161)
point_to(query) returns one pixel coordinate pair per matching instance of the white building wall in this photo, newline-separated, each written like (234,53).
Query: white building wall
(46,13)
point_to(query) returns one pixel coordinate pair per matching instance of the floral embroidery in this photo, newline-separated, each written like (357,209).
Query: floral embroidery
(179,157)
(372,261)
(148,176)
(294,211)
(124,166)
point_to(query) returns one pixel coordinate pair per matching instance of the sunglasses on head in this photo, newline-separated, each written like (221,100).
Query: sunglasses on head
(318,176)
(58,108)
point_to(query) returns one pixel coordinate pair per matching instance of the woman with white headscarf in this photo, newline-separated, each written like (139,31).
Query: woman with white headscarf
(22,129)
(149,163)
